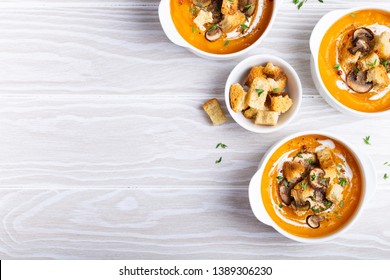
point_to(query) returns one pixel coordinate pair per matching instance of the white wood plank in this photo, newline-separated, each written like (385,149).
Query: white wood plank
(127,142)
(166,224)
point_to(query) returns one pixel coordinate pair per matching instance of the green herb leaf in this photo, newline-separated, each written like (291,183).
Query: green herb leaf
(219,160)
(259,92)
(275,90)
(213,27)
(226,43)
(247,7)
(303,184)
(352,15)
(223,146)
(337,66)
(343,182)
(313,177)
(280,205)
(315,210)
(367,140)
(385,176)
(341,204)
(193,11)
(356,70)
(280,178)
(339,217)
(201,6)
(387,163)
(328,203)
(310,161)
(373,64)
(244,26)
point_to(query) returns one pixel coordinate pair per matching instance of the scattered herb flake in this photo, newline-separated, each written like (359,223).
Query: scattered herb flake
(385,176)
(247,7)
(280,205)
(222,145)
(341,204)
(244,26)
(280,178)
(373,64)
(226,43)
(328,203)
(367,140)
(352,15)
(275,90)
(218,160)
(313,177)
(337,66)
(259,91)
(343,182)
(339,217)
(356,70)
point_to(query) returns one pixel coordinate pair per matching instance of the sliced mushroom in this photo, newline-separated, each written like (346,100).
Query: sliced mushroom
(299,204)
(317,180)
(285,193)
(215,9)
(214,33)
(363,33)
(201,3)
(358,81)
(307,159)
(360,45)
(313,221)
(248,7)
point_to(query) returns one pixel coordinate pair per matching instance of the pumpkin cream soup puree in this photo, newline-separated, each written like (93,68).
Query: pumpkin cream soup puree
(311,186)
(354,60)
(221,26)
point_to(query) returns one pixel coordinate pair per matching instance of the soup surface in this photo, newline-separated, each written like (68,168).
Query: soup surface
(354,60)
(221,27)
(311,186)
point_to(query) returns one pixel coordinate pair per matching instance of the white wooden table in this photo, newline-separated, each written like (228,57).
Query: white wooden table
(105,152)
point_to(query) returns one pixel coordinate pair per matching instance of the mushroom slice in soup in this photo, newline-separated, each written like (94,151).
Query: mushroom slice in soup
(357,81)
(317,180)
(313,221)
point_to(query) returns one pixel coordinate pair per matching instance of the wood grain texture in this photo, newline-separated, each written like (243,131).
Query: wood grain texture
(105,151)
(166,224)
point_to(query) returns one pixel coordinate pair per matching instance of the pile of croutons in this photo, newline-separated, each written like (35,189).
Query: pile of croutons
(266,97)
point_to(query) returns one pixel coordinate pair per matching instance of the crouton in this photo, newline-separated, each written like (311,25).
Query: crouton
(325,157)
(369,61)
(383,46)
(267,117)
(213,109)
(379,77)
(231,22)
(305,189)
(237,98)
(334,193)
(250,113)
(293,171)
(255,72)
(280,104)
(257,94)
(273,71)
(277,87)
(203,18)
(229,7)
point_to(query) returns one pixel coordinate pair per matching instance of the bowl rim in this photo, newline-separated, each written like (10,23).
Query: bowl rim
(166,18)
(367,172)
(329,19)
(248,124)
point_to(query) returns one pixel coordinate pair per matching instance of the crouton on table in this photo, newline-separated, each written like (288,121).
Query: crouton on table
(213,109)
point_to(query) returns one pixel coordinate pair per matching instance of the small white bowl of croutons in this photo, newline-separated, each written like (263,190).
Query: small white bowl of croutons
(263,93)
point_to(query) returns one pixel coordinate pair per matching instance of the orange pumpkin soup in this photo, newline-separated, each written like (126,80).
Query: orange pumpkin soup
(354,60)
(311,186)
(221,26)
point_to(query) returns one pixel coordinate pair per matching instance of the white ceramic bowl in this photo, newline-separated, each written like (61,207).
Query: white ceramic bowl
(294,89)
(368,179)
(164,13)
(315,41)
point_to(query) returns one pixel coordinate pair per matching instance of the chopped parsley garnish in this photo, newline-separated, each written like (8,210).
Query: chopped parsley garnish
(385,176)
(313,177)
(223,146)
(244,26)
(352,15)
(259,91)
(275,90)
(339,217)
(328,203)
(337,66)
(247,7)
(315,210)
(373,64)
(218,160)
(201,6)
(193,11)
(323,180)
(280,205)
(300,3)
(300,155)
(280,178)
(303,184)
(343,182)
(367,140)
(341,204)
(310,161)
(226,43)
(356,70)
(213,27)
(387,163)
